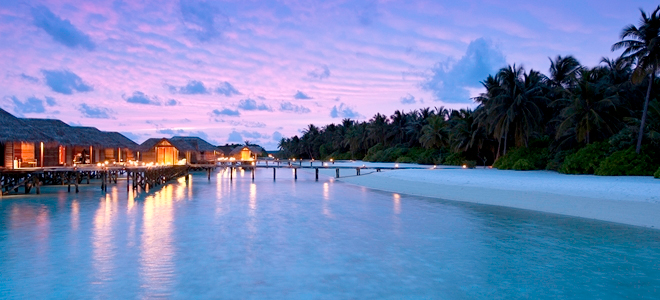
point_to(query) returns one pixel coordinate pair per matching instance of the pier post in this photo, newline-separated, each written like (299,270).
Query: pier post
(301,162)
(317,174)
(77,180)
(253,171)
(68,181)
(295,173)
(274,170)
(128,180)
(337,172)
(89,174)
(209,174)
(311,163)
(231,173)
(36,185)
(357,171)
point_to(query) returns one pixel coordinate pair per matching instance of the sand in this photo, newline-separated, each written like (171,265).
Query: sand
(632,200)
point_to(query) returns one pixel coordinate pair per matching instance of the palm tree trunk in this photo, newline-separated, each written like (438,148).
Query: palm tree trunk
(644,112)
(506,135)
(499,146)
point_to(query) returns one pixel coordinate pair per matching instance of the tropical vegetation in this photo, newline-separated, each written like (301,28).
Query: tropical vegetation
(577,119)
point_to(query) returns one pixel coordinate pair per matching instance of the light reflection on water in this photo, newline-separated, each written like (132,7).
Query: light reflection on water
(305,239)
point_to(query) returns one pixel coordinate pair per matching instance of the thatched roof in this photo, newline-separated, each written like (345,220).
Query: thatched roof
(13,129)
(123,140)
(226,150)
(60,132)
(192,143)
(104,139)
(150,143)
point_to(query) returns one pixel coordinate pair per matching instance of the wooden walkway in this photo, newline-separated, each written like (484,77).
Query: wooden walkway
(308,164)
(144,177)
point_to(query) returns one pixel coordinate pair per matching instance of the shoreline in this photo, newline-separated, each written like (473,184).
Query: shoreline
(625,200)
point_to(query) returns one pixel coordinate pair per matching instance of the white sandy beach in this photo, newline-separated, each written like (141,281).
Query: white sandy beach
(633,200)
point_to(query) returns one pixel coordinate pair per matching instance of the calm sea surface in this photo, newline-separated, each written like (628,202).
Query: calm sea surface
(304,239)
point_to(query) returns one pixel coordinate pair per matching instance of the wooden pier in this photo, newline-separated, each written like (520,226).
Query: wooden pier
(252,166)
(137,177)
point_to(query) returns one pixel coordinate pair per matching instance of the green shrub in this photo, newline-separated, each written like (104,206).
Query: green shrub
(558,159)
(454,159)
(391,154)
(657,173)
(537,157)
(585,160)
(405,160)
(626,162)
(523,165)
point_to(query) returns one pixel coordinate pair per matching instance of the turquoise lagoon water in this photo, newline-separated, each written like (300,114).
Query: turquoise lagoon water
(266,239)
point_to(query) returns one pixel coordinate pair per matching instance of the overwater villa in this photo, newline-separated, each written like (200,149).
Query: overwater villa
(244,153)
(17,142)
(178,150)
(31,142)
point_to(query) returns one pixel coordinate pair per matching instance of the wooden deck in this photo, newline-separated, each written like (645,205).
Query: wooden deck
(137,177)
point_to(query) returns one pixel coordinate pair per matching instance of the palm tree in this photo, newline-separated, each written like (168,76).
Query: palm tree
(378,129)
(563,72)
(516,107)
(435,134)
(589,108)
(642,45)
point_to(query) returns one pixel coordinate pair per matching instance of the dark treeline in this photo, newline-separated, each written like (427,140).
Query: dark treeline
(603,120)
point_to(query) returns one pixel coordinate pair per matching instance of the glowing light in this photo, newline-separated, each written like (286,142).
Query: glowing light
(464,166)
(253,163)
(325,164)
(396,165)
(434,166)
(331,160)
(98,164)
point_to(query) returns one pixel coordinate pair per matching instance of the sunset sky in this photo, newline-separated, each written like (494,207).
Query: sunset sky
(259,70)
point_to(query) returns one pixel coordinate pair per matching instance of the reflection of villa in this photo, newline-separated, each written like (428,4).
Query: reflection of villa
(172,151)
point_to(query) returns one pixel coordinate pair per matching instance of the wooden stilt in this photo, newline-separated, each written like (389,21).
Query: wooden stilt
(337,172)
(77,180)
(317,174)
(295,173)
(274,170)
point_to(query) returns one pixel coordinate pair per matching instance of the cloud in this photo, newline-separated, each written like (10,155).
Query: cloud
(203,20)
(344,111)
(30,105)
(368,13)
(172,102)
(95,112)
(450,81)
(254,135)
(319,73)
(61,30)
(65,82)
(248,124)
(235,137)
(51,101)
(226,112)
(193,87)
(301,96)
(29,78)
(408,99)
(277,136)
(227,89)
(290,107)
(140,98)
(249,104)
(169,131)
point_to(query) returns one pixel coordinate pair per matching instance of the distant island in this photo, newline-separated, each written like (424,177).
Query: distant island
(602,120)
